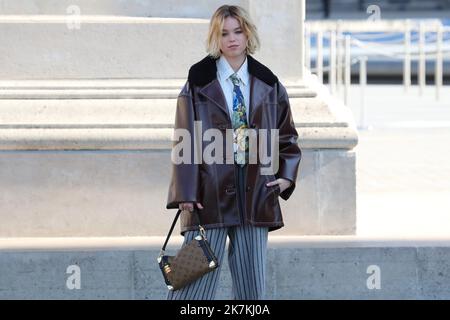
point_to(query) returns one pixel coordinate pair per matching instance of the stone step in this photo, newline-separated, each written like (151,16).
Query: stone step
(78,84)
(118,93)
(130,123)
(111,89)
(133,114)
(103,104)
(326,267)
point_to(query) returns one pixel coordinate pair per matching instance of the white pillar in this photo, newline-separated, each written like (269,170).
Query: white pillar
(307,48)
(439,63)
(302,37)
(422,70)
(339,55)
(332,63)
(362,86)
(407,57)
(319,58)
(347,74)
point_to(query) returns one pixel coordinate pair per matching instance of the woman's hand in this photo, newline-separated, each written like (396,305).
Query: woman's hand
(189,206)
(282,183)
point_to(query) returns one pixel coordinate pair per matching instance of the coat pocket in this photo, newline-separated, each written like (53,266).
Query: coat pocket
(274,190)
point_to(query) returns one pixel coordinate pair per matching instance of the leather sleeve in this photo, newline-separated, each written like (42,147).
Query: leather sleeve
(184,180)
(289,150)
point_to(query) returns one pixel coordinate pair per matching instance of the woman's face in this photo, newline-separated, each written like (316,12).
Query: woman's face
(233,41)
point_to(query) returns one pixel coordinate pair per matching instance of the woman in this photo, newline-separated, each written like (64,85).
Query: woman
(235,196)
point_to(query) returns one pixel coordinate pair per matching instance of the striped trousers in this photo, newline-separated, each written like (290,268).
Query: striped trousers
(247,252)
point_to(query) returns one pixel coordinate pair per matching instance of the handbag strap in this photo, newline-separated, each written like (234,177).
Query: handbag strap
(202,230)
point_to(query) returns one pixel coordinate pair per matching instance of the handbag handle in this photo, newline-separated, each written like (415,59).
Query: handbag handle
(202,230)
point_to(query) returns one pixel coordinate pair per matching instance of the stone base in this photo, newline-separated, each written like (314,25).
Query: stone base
(92,159)
(123,193)
(298,268)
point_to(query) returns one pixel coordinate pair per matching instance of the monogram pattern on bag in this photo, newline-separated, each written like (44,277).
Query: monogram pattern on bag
(188,265)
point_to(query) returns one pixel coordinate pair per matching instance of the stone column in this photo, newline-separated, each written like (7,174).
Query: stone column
(280,27)
(86,118)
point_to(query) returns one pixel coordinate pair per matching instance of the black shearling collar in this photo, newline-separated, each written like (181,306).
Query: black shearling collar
(205,71)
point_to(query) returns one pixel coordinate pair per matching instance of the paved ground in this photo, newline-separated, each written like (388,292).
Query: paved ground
(403,162)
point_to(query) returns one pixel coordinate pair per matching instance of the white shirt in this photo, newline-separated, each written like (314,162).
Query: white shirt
(224,71)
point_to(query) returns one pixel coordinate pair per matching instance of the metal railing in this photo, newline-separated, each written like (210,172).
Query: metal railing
(342,37)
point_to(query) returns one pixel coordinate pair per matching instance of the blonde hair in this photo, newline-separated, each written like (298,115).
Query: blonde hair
(216,26)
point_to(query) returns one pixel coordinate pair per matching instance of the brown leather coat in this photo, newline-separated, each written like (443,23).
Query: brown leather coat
(214,185)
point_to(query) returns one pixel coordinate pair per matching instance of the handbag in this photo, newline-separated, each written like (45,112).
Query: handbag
(191,262)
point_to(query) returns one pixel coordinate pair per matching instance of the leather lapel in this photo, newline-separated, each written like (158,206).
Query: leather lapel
(258,91)
(213,91)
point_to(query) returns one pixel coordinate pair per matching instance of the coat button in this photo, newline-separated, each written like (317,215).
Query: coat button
(247,188)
